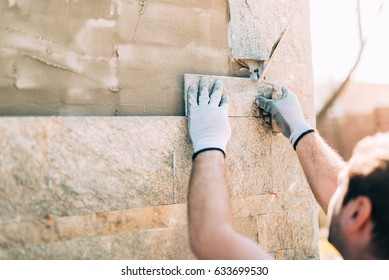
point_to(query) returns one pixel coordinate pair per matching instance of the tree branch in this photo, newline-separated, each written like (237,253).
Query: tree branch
(363,41)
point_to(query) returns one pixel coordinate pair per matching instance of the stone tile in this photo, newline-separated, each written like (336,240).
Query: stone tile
(240,91)
(248,158)
(94,248)
(159,244)
(297,78)
(252,205)
(287,174)
(295,231)
(117,185)
(170,243)
(243,91)
(276,202)
(247,227)
(24,191)
(296,47)
(248,155)
(293,254)
(183,168)
(252,37)
(101,164)
(38,233)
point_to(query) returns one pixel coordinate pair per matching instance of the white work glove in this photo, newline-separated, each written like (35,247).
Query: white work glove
(208,124)
(287,114)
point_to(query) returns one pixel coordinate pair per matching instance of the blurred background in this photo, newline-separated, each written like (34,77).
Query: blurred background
(350,43)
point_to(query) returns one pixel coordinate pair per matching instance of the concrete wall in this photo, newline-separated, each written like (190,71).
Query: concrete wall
(115,188)
(82,58)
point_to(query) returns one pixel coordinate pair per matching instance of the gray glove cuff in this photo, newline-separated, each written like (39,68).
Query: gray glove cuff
(301,137)
(205,150)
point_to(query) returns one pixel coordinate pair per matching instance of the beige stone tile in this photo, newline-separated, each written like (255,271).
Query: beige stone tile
(287,172)
(248,158)
(159,244)
(248,155)
(170,243)
(297,78)
(240,91)
(24,191)
(243,91)
(246,226)
(38,233)
(99,164)
(296,231)
(252,37)
(252,205)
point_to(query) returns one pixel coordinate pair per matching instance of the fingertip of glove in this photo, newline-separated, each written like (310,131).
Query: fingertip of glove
(191,88)
(224,100)
(260,99)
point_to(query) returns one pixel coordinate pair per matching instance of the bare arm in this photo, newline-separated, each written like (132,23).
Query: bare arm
(320,163)
(321,166)
(210,222)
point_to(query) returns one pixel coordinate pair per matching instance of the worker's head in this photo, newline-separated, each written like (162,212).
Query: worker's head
(359,209)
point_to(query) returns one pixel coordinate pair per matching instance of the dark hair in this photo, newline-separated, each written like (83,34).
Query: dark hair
(369,176)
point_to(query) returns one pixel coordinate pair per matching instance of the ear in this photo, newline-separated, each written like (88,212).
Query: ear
(358,214)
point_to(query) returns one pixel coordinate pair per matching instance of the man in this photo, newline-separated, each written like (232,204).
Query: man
(356,202)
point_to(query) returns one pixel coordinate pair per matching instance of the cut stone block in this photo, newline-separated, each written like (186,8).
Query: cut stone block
(105,188)
(171,243)
(24,186)
(40,232)
(248,153)
(240,91)
(100,165)
(250,32)
(256,26)
(287,172)
(290,234)
(247,227)
(243,91)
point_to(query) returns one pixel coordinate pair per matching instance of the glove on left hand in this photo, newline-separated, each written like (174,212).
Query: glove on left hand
(208,116)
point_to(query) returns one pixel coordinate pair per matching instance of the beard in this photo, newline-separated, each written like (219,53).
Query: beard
(335,235)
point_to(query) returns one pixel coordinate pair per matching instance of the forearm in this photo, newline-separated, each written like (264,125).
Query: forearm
(210,227)
(208,202)
(321,166)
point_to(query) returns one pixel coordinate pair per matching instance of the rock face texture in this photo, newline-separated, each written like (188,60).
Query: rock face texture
(87,188)
(116,187)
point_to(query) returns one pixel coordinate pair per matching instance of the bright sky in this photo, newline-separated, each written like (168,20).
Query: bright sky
(335,41)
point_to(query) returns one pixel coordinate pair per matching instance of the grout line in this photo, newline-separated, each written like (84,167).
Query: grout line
(174,178)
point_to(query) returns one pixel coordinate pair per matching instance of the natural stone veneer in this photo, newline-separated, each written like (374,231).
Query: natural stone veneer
(106,188)
(116,188)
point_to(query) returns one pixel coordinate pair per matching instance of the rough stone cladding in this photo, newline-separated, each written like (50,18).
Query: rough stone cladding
(116,187)
(90,188)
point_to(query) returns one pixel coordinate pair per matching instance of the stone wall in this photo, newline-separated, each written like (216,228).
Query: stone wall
(81,58)
(116,187)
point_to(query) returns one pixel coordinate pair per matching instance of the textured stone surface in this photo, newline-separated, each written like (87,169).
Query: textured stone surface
(241,93)
(256,26)
(248,155)
(91,198)
(137,59)
(24,189)
(275,237)
(99,165)
(157,244)
(116,188)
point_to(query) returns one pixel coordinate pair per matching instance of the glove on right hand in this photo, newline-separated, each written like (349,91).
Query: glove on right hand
(288,115)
